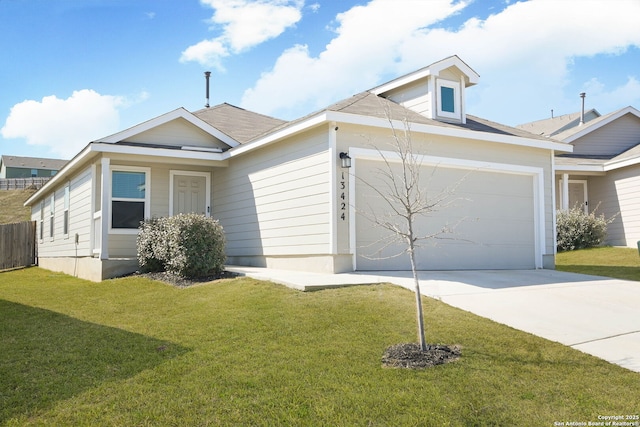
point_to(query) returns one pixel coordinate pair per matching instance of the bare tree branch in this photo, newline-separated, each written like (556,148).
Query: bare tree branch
(406,200)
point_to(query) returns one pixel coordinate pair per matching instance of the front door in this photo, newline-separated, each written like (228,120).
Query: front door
(189,193)
(578,194)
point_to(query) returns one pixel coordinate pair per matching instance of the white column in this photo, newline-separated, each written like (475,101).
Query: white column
(565,191)
(105,192)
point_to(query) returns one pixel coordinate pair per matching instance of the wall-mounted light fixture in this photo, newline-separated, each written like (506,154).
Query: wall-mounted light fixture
(345,160)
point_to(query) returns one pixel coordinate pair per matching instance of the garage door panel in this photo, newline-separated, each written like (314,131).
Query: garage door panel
(493,215)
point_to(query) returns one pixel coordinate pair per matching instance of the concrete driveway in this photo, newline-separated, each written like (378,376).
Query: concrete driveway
(596,315)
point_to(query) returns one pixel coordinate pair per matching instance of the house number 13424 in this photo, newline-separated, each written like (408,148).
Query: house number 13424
(343,198)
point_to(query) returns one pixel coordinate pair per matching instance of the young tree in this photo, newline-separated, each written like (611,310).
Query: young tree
(406,198)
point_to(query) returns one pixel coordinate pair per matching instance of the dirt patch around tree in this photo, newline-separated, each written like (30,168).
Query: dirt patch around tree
(410,356)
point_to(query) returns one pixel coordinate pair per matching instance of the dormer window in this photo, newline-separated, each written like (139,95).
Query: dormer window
(448,99)
(436,91)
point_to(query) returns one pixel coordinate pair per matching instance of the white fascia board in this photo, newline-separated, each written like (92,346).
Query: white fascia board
(165,118)
(447,131)
(591,169)
(590,128)
(62,174)
(110,148)
(401,81)
(309,123)
(155,152)
(433,69)
(621,163)
(458,63)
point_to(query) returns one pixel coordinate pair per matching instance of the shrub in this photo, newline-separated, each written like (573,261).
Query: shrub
(188,245)
(578,230)
(150,247)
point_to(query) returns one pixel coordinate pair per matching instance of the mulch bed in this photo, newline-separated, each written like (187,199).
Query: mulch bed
(409,355)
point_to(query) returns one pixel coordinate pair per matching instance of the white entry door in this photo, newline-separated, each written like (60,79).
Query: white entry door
(189,193)
(578,194)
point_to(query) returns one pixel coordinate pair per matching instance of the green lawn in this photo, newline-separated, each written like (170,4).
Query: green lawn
(247,353)
(621,263)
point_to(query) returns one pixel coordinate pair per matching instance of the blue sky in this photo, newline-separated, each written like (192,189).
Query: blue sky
(78,70)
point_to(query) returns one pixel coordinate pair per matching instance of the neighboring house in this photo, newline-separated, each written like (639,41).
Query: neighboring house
(603,172)
(283,197)
(29,167)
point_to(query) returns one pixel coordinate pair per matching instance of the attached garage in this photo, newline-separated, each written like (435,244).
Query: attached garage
(493,210)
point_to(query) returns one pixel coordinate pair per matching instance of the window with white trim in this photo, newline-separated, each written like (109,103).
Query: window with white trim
(448,99)
(52,214)
(129,198)
(41,220)
(65,217)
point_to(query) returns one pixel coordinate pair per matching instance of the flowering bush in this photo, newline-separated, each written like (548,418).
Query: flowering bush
(188,245)
(578,230)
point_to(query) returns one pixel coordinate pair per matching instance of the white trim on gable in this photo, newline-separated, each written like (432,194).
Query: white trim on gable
(589,127)
(165,118)
(430,70)
(449,131)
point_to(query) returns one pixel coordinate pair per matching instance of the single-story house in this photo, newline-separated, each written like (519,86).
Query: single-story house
(29,167)
(285,199)
(603,172)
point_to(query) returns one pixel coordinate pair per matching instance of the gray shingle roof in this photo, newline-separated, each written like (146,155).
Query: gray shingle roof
(240,124)
(560,127)
(368,104)
(33,162)
(244,126)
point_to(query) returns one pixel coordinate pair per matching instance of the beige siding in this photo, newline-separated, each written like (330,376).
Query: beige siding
(275,201)
(124,245)
(179,133)
(415,96)
(611,139)
(79,219)
(618,193)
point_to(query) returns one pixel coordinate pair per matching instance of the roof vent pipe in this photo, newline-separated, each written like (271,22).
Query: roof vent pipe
(582,95)
(207,74)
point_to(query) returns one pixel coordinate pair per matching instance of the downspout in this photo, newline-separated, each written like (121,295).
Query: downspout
(105,209)
(565,191)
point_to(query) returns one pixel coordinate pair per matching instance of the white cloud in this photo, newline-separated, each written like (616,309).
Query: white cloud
(365,47)
(609,99)
(245,24)
(523,53)
(65,126)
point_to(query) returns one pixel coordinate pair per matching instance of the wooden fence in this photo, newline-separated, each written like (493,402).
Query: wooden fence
(22,183)
(18,245)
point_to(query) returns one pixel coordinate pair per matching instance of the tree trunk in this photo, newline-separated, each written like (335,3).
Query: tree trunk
(416,283)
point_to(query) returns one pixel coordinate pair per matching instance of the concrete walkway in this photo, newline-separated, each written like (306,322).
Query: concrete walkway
(596,315)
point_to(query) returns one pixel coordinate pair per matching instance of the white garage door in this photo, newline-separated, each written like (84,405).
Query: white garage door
(493,215)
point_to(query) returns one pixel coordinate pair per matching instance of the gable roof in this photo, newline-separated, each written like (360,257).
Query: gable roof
(240,124)
(471,77)
(554,126)
(574,133)
(32,162)
(603,163)
(179,113)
